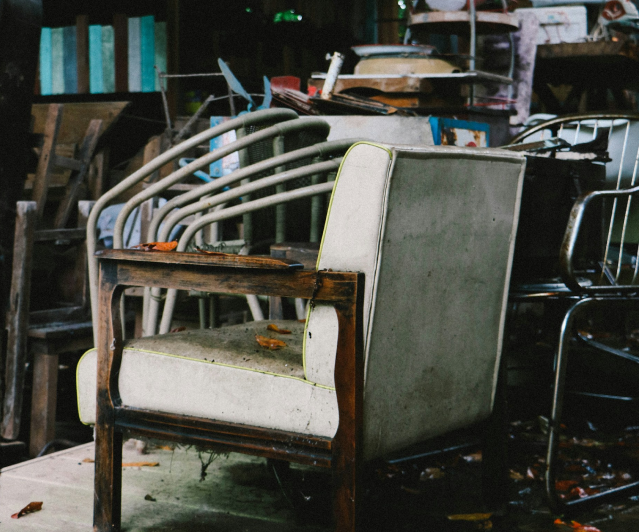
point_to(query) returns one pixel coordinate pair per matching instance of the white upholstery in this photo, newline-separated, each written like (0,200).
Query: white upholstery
(433,230)
(350,243)
(200,374)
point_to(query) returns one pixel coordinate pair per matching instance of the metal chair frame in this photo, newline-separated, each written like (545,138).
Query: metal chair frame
(607,287)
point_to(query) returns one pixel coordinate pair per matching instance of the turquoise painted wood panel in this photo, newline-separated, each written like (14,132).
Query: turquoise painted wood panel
(57,61)
(70,59)
(45,62)
(108,59)
(135,65)
(96,85)
(147,53)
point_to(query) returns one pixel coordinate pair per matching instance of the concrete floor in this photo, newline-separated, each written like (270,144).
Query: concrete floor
(238,494)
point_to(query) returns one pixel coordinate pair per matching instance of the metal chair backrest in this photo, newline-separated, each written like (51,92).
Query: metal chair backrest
(615,268)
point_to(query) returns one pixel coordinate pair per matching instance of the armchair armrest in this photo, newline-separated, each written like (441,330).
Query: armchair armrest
(226,260)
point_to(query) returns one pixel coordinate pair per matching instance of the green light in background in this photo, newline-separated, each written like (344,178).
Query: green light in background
(287,16)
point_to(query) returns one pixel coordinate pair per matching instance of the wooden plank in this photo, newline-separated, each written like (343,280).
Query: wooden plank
(18,318)
(77,117)
(44,398)
(121,35)
(39,317)
(51,235)
(75,180)
(257,441)
(68,163)
(458,22)
(63,331)
(98,173)
(588,50)
(82,55)
(81,291)
(47,157)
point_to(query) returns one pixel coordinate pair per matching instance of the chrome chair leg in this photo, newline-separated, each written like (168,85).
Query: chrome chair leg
(566,333)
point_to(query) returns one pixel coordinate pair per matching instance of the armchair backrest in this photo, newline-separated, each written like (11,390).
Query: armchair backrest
(433,230)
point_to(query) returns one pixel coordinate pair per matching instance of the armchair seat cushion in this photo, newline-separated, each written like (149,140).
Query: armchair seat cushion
(207,373)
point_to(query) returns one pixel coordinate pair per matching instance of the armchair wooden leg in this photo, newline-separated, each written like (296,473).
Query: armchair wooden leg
(346,493)
(107,498)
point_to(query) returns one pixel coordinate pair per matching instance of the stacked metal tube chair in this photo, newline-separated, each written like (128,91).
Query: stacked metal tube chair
(597,273)
(402,341)
(261,137)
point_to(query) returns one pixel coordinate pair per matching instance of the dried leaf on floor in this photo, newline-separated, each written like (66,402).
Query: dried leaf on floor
(269,343)
(575,526)
(157,246)
(565,485)
(88,460)
(431,473)
(28,509)
(275,328)
(473,457)
(141,464)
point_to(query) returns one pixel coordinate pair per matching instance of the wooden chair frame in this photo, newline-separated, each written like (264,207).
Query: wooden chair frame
(119,269)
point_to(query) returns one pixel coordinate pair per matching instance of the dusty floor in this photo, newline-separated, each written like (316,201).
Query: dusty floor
(240,493)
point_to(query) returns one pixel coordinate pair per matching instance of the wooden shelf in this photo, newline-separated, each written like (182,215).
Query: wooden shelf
(590,63)
(458,22)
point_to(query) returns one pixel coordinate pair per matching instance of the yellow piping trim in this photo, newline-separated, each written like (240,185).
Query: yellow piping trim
(328,212)
(305,381)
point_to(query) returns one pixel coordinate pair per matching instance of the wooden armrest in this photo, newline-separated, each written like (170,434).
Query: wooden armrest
(223,273)
(225,260)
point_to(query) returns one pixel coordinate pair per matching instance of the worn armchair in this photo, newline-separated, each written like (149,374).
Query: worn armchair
(401,344)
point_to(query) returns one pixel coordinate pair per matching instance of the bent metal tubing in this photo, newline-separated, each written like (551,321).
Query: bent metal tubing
(224,197)
(265,116)
(275,199)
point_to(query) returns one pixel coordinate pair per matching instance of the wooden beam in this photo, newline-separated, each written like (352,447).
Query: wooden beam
(18,318)
(75,180)
(47,157)
(44,398)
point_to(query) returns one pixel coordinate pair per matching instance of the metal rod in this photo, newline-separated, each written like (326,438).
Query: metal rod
(473,49)
(165,102)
